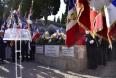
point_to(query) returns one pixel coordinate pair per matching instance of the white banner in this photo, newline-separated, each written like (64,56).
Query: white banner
(39,49)
(52,50)
(67,51)
(17,34)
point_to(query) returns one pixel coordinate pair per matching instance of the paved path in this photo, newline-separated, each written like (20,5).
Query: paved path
(34,70)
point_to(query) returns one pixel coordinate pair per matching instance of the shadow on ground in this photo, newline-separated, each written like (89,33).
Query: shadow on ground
(34,70)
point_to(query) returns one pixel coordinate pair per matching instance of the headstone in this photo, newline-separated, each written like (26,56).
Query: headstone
(52,50)
(67,51)
(40,49)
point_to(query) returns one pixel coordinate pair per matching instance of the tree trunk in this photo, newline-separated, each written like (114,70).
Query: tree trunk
(46,21)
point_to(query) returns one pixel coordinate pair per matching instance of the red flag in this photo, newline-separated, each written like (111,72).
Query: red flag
(81,36)
(104,31)
(71,35)
(113,31)
(35,36)
(84,18)
(93,14)
(98,22)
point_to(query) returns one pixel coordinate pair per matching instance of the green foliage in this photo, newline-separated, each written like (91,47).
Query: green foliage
(44,8)
(58,20)
(25,7)
(16,4)
(1,9)
(40,8)
(54,19)
(64,17)
(37,9)
(42,41)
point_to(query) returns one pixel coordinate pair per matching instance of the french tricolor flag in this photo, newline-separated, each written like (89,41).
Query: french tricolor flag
(110,13)
(71,25)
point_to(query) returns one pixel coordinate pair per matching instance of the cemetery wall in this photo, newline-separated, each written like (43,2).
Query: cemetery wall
(60,57)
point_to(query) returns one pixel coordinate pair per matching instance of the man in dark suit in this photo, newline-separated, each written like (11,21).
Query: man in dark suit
(91,45)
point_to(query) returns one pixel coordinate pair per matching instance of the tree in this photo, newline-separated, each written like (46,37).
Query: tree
(40,8)
(1,12)
(54,19)
(1,9)
(58,20)
(25,7)
(64,16)
(44,8)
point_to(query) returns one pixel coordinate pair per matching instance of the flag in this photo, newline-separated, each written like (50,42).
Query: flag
(71,25)
(23,23)
(98,4)
(110,13)
(83,13)
(29,21)
(35,36)
(10,20)
(92,8)
(98,22)
(103,32)
(15,16)
(93,14)
(112,32)
(81,36)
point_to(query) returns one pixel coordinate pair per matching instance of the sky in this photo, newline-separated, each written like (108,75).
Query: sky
(61,10)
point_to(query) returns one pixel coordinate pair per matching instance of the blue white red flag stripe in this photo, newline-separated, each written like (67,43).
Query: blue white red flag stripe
(71,25)
(110,13)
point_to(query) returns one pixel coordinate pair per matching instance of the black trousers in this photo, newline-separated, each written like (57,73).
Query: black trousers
(24,51)
(102,58)
(110,54)
(32,52)
(13,53)
(92,57)
(2,53)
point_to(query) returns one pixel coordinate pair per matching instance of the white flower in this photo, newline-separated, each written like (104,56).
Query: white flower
(47,35)
(63,35)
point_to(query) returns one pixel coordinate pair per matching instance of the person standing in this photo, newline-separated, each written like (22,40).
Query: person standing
(104,46)
(91,45)
(24,51)
(32,51)
(103,51)
(2,48)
